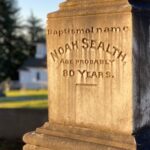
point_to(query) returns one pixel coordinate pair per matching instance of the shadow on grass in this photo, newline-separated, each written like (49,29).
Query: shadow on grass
(23,98)
(14,144)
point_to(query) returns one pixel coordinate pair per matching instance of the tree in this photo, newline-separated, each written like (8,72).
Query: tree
(35,32)
(13,46)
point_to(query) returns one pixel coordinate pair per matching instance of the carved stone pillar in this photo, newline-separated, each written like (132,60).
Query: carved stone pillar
(93,78)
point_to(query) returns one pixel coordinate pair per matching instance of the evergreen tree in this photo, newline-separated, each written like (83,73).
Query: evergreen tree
(35,32)
(13,47)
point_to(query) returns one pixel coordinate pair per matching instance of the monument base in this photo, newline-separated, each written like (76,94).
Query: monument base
(58,137)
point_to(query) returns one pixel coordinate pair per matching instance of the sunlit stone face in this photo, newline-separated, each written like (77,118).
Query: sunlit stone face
(89,61)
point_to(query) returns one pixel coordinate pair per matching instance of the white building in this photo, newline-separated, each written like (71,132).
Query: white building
(33,73)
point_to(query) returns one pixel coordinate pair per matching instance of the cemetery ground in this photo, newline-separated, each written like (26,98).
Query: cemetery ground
(24,99)
(21,99)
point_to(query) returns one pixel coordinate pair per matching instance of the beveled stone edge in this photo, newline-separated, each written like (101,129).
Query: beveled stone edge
(74,9)
(97,133)
(34,147)
(49,140)
(75,3)
(86,135)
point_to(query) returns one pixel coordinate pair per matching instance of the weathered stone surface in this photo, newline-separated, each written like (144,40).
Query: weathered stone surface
(98,62)
(141,70)
(73,8)
(90,69)
(59,138)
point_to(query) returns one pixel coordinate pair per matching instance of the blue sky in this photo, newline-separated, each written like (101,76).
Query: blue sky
(39,7)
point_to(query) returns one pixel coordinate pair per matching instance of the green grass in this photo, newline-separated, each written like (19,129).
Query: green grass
(24,99)
(24,104)
(26,93)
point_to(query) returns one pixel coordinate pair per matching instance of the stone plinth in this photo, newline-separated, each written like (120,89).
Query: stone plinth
(60,137)
(93,100)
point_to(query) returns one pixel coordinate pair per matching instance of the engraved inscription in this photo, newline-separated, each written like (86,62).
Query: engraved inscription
(87,74)
(87,61)
(88,44)
(88,67)
(91,30)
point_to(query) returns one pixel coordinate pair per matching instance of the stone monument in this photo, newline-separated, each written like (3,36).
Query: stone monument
(97,96)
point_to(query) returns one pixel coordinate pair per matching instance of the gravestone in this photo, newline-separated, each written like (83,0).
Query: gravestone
(98,94)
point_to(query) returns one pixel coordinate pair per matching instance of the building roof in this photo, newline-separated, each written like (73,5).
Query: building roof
(34,63)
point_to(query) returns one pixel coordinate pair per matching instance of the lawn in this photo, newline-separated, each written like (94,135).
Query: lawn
(26,93)
(24,99)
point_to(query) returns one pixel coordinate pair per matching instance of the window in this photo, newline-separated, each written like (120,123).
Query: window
(37,76)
